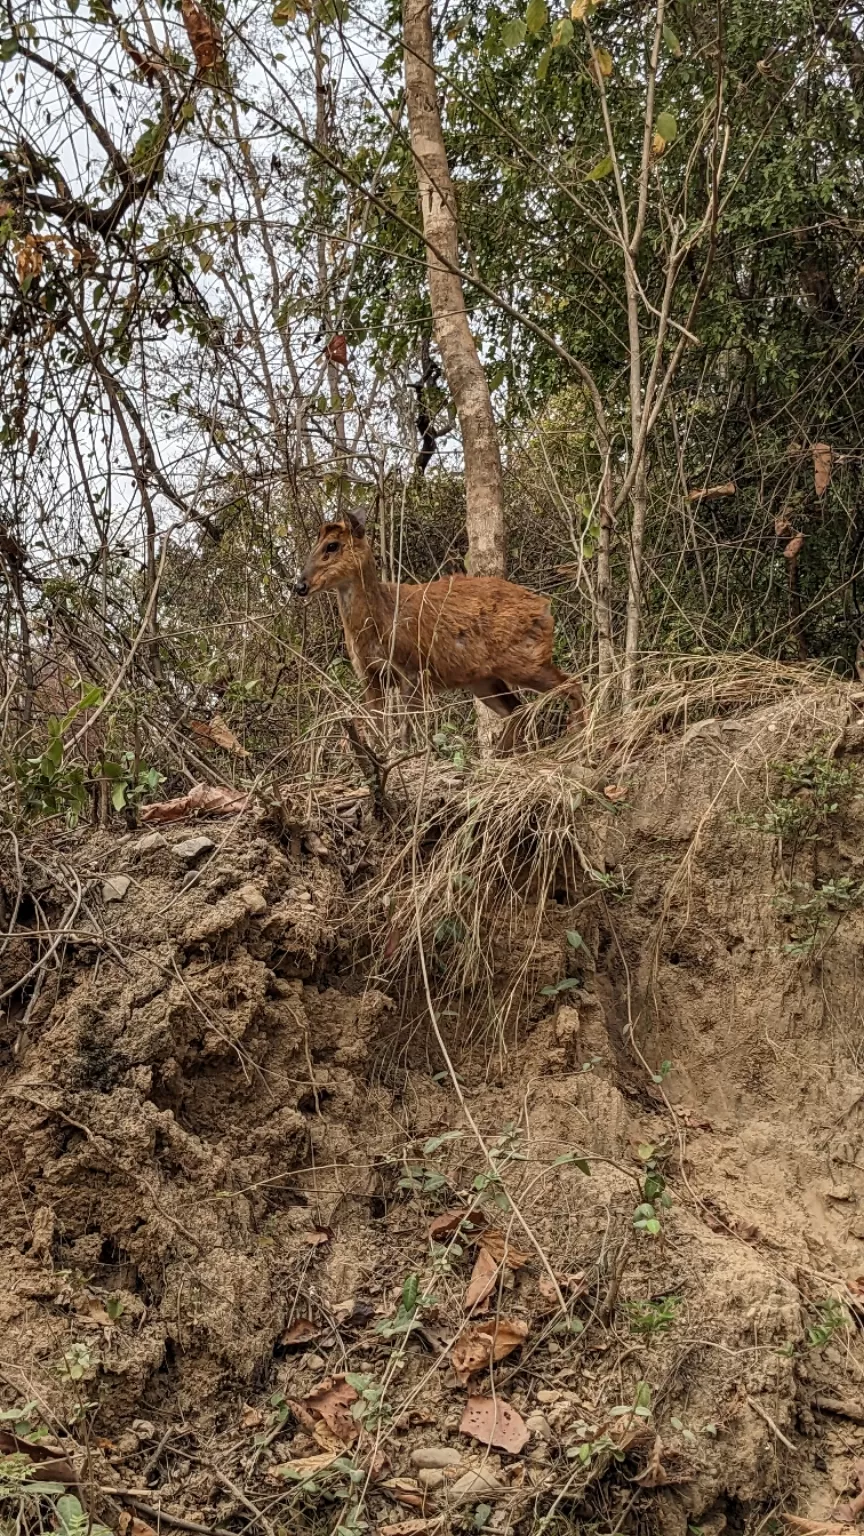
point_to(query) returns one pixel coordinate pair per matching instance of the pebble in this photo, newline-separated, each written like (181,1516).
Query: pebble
(253,900)
(115,887)
(435,1456)
(192,847)
(144,1428)
(474,1487)
(148,843)
(538,1424)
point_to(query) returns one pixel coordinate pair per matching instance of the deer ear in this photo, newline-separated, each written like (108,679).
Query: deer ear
(357,523)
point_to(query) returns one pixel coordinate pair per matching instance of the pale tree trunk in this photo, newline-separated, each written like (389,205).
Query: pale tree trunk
(484,493)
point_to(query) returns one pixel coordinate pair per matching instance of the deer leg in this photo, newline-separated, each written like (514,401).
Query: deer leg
(494,693)
(549,677)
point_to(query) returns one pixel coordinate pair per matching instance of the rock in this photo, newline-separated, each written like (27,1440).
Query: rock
(475,1487)
(127,1443)
(144,1429)
(537,1424)
(115,887)
(253,900)
(430,1478)
(435,1456)
(192,847)
(148,843)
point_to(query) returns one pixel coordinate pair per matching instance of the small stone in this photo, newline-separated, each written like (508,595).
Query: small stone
(435,1456)
(253,900)
(127,1444)
(430,1478)
(315,1362)
(537,1424)
(148,843)
(839,1192)
(545,1395)
(192,847)
(474,1487)
(115,887)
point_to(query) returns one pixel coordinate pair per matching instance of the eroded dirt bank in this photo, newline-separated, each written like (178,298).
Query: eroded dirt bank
(222,1130)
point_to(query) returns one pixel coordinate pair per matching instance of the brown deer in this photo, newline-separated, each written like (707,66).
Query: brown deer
(474,632)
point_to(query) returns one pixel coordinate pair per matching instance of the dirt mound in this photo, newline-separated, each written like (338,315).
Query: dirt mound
(258,1186)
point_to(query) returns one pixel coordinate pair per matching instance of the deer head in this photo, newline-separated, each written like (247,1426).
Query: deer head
(340,551)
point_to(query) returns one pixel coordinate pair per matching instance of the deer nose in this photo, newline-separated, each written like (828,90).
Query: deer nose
(300,587)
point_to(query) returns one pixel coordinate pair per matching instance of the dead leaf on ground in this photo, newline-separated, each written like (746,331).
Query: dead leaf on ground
(493,1421)
(823,461)
(54,1466)
(251,1418)
(793,548)
(502,1250)
(318,1237)
(202,34)
(470,1222)
(655,1475)
(330,1404)
(615,792)
(483,1277)
(815,1527)
(130,1525)
(203,799)
(782,526)
(574,1283)
(219,733)
(300,1332)
(477,1347)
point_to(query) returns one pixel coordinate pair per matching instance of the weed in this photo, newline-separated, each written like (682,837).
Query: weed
(807,793)
(832,1318)
(76,1364)
(655,1196)
(812,910)
(649,1317)
(412,1302)
(451,745)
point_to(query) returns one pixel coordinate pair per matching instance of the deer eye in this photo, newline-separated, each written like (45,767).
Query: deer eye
(332,548)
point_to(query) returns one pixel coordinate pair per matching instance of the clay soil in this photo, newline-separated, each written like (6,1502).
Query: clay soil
(229,1287)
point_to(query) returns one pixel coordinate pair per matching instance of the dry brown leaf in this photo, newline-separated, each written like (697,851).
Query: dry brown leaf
(470,1222)
(502,1250)
(823,461)
(337,350)
(203,35)
(483,1277)
(251,1418)
(615,792)
(604,62)
(782,526)
(658,145)
(318,1237)
(793,548)
(203,799)
(580,8)
(54,1466)
(713,492)
(655,1475)
(220,734)
(329,1404)
(493,1421)
(130,1525)
(477,1347)
(815,1527)
(300,1331)
(28,262)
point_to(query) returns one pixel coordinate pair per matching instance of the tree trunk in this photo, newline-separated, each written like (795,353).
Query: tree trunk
(484,494)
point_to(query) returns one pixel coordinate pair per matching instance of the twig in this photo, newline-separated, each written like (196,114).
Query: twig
(843,1409)
(241,1498)
(151,1461)
(163,1516)
(609,1300)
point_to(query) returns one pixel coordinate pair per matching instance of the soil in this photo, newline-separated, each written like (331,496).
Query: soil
(227,1133)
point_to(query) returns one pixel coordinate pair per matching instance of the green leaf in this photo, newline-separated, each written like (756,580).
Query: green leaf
(513,33)
(574,939)
(667,127)
(643,1395)
(205,260)
(543,66)
(8,50)
(118,796)
(410,1292)
(562,32)
(672,44)
(576,1162)
(601,169)
(535,16)
(284,12)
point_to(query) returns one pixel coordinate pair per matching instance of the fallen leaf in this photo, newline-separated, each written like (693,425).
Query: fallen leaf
(337,350)
(203,799)
(615,792)
(793,548)
(493,1421)
(655,1475)
(815,1527)
(782,526)
(713,492)
(483,1277)
(130,1525)
(470,1222)
(251,1418)
(823,461)
(202,34)
(320,1236)
(330,1403)
(219,733)
(54,1466)
(575,1283)
(300,1332)
(478,1346)
(503,1251)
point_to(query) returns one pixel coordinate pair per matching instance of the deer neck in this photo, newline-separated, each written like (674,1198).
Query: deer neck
(366,611)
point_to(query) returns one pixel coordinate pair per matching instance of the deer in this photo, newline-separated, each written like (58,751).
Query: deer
(479,633)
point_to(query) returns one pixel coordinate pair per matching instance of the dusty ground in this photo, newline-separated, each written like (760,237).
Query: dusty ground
(222,1133)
